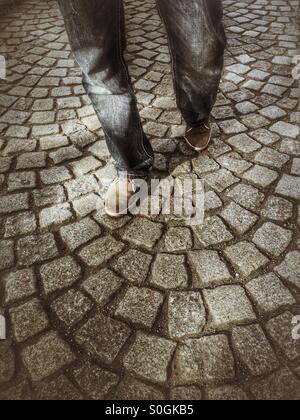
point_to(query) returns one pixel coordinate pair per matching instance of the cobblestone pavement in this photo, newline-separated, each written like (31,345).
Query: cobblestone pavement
(149,308)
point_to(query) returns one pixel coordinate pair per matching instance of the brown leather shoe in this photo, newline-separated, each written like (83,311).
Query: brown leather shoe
(118,197)
(198,138)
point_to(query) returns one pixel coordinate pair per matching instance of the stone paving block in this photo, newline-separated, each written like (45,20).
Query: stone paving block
(261,176)
(285,129)
(239,219)
(85,165)
(6,254)
(21,181)
(288,186)
(289,269)
(79,233)
(280,330)
(64,153)
(178,239)
(220,180)
(7,363)
(28,320)
(19,284)
(59,274)
(31,160)
(243,143)
(100,251)
(132,389)
(169,272)
(272,239)
(14,202)
(53,142)
(247,196)
(210,269)
(143,232)
(87,205)
(253,350)
(54,216)
(5,163)
(58,389)
(227,393)
(204,164)
(134,266)
(55,175)
(228,305)
(290,147)
(49,196)
(269,294)
(296,167)
(199,361)
(186,393)
(232,127)
(212,232)
(95,381)
(20,224)
(245,257)
(103,337)
(71,307)
(273,112)
(81,186)
(102,286)
(271,157)
(278,209)
(47,356)
(280,386)
(212,201)
(149,357)
(140,306)
(186,315)
(234,163)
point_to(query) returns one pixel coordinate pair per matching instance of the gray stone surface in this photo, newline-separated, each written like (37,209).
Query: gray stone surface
(103,337)
(203,360)
(269,294)
(62,260)
(254,350)
(186,314)
(228,305)
(149,357)
(169,272)
(210,269)
(245,257)
(47,356)
(140,306)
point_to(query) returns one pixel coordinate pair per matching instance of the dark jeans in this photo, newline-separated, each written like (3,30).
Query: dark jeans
(96,30)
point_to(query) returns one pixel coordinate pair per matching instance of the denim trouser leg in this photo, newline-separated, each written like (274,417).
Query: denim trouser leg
(197,42)
(97,35)
(96,31)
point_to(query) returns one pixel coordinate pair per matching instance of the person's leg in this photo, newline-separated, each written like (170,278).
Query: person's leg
(96,31)
(197,42)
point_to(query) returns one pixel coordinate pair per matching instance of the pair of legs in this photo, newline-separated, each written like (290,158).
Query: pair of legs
(96,30)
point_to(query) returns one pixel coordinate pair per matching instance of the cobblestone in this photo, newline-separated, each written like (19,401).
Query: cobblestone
(140,306)
(28,320)
(47,356)
(253,350)
(210,269)
(228,305)
(203,360)
(103,337)
(149,357)
(168,293)
(269,294)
